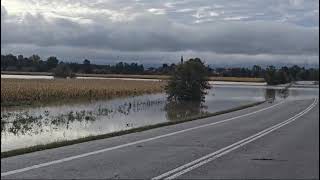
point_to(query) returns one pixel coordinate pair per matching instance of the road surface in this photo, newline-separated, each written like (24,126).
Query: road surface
(273,140)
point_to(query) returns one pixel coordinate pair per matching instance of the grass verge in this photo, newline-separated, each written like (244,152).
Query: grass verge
(103,136)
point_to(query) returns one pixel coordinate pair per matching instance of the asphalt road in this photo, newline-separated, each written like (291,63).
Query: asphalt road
(279,140)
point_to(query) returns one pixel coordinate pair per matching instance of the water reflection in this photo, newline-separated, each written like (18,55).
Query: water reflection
(270,95)
(25,123)
(284,93)
(176,111)
(273,94)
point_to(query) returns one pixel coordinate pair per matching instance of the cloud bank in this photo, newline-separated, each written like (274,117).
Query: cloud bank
(150,31)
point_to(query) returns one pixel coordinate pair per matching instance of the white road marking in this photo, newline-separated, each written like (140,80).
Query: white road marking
(128,144)
(210,157)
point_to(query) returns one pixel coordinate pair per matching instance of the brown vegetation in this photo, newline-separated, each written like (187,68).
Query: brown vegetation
(30,91)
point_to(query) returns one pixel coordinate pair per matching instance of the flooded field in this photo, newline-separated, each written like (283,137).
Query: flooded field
(15,76)
(28,126)
(11,76)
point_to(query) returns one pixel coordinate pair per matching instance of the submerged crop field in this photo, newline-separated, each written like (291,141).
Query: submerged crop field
(30,91)
(29,128)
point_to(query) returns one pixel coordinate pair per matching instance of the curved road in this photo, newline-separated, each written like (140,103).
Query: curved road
(278,140)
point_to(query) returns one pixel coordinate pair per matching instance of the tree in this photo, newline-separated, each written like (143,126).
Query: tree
(270,75)
(20,62)
(118,68)
(63,71)
(189,82)
(256,71)
(52,62)
(20,57)
(87,66)
(35,58)
(294,70)
(284,75)
(86,62)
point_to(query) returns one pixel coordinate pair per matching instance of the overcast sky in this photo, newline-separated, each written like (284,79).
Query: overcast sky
(160,31)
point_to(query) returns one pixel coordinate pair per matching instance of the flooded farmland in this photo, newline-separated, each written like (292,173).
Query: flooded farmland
(28,126)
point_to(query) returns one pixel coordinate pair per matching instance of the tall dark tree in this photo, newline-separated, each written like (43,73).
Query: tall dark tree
(256,71)
(87,68)
(86,62)
(294,70)
(35,58)
(270,75)
(189,82)
(52,62)
(20,57)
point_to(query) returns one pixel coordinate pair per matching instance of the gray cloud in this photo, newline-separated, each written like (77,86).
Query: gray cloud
(159,34)
(274,28)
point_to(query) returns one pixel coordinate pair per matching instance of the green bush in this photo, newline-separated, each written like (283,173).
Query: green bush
(189,82)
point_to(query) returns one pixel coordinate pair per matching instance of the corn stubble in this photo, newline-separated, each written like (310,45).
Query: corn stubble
(30,90)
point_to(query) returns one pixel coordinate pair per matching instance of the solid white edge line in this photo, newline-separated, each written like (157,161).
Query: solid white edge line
(210,157)
(129,144)
(221,150)
(229,150)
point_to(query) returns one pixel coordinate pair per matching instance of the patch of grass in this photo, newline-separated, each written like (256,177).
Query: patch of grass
(134,130)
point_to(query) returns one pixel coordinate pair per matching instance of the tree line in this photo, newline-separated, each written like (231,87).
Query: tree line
(271,74)
(34,63)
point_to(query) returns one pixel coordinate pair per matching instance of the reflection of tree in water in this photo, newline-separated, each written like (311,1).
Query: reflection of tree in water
(3,125)
(176,111)
(284,93)
(22,123)
(270,94)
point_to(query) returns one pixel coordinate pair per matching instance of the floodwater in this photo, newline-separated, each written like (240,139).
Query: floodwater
(28,126)
(14,76)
